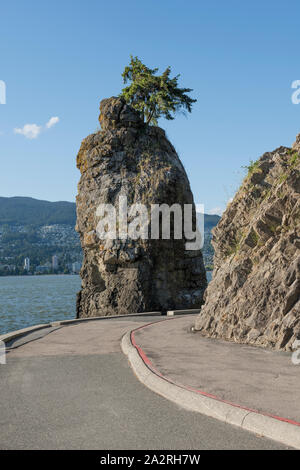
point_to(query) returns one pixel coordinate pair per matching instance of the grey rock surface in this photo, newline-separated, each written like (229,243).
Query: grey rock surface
(254,295)
(128,157)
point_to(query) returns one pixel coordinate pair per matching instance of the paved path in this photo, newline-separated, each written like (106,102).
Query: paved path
(72,388)
(256,378)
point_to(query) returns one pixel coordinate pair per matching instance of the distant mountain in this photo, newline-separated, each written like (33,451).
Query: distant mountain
(210,221)
(29,211)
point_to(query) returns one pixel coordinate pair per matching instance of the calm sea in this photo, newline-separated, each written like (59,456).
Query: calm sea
(30,300)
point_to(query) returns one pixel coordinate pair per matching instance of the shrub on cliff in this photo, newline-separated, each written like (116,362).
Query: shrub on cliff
(154,95)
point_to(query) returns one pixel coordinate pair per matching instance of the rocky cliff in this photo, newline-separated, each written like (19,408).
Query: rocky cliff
(121,276)
(254,296)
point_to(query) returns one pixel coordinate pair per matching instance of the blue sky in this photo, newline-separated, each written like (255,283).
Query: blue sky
(60,58)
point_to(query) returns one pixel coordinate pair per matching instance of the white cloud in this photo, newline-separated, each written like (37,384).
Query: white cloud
(216,211)
(52,121)
(30,131)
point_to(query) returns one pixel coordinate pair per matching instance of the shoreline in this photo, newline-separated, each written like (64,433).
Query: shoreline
(39,275)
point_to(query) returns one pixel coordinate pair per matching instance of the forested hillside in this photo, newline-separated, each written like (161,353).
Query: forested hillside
(29,211)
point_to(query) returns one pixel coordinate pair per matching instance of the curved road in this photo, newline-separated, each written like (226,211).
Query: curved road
(72,388)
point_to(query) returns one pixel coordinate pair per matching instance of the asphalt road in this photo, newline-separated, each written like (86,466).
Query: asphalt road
(73,389)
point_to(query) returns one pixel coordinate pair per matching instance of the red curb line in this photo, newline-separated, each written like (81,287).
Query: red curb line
(149,364)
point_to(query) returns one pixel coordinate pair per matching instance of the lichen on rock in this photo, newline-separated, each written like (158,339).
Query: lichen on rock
(128,157)
(254,295)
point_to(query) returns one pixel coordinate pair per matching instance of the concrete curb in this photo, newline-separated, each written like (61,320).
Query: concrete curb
(79,320)
(272,427)
(25,331)
(192,311)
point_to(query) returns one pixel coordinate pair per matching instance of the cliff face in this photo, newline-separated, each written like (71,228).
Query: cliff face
(120,276)
(254,296)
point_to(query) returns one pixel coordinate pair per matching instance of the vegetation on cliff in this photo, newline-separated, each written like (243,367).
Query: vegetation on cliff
(154,95)
(254,296)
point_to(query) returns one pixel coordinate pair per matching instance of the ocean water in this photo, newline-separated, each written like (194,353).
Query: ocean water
(30,300)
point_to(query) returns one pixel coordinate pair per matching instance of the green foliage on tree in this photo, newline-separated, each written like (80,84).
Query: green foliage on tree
(154,95)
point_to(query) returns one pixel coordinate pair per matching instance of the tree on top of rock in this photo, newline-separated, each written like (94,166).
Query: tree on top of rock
(154,95)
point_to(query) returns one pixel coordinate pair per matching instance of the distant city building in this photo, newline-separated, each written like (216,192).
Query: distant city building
(7,267)
(54,262)
(76,267)
(43,269)
(26,264)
